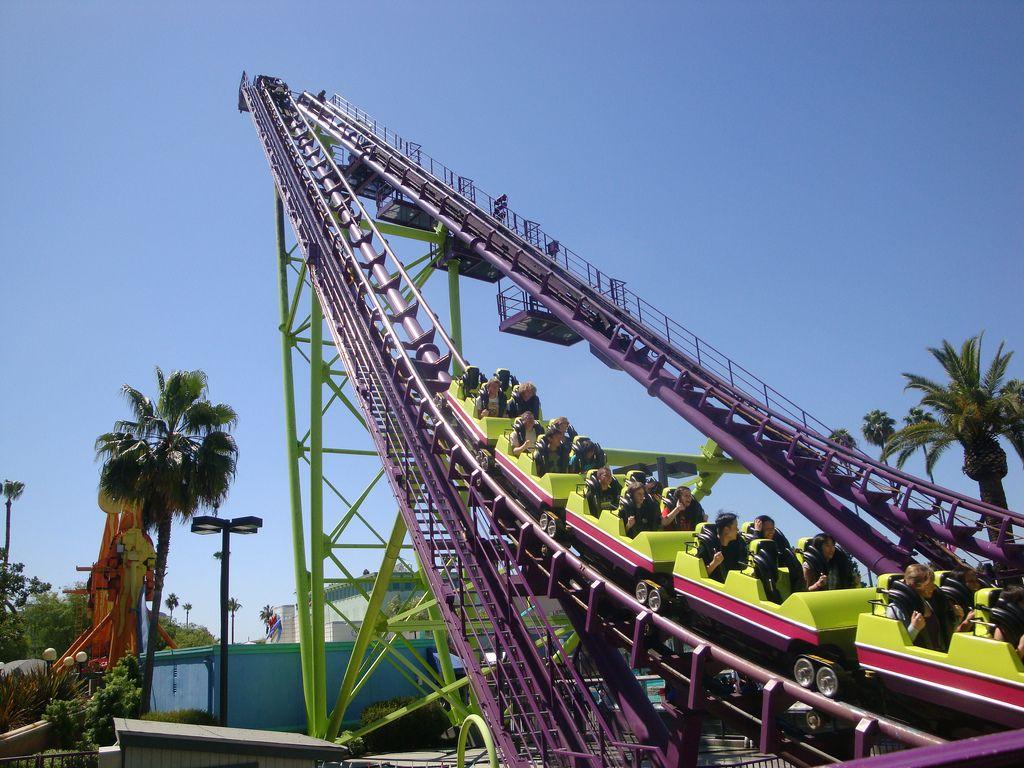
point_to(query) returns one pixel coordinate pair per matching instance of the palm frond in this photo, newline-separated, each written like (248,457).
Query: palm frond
(934,452)
(996,372)
(922,384)
(182,389)
(13,489)
(203,416)
(915,436)
(141,405)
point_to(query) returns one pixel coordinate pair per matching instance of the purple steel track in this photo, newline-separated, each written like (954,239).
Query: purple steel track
(782,447)
(487,558)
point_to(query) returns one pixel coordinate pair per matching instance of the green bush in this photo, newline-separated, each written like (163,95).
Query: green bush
(120,696)
(68,721)
(356,746)
(187,716)
(25,696)
(60,757)
(421,728)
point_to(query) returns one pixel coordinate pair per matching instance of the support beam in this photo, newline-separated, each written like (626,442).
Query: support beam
(316,511)
(367,629)
(302,586)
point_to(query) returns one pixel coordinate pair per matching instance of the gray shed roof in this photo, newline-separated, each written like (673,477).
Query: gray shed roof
(211,738)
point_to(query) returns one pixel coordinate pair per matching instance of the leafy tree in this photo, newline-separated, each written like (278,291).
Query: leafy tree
(844,438)
(13,644)
(16,588)
(53,620)
(971,409)
(12,491)
(233,607)
(175,457)
(915,416)
(266,614)
(190,636)
(187,607)
(877,428)
(171,602)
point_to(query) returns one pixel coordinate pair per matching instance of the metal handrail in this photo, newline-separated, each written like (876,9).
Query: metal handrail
(647,314)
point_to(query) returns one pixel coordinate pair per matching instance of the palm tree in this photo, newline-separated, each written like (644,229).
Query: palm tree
(266,614)
(12,490)
(174,458)
(973,410)
(187,607)
(844,438)
(233,608)
(915,416)
(171,602)
(877,427)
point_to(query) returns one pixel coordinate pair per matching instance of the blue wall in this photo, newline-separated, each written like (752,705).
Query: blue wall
(265,683)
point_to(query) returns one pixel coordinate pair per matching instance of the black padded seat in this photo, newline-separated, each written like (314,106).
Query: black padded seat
(1009,617)
(815,563)
(956,591)
(764,560)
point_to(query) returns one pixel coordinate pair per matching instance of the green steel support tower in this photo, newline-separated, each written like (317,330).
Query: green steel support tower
(332,526)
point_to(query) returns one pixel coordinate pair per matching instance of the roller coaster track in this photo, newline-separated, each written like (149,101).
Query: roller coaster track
(776,440)
(489,559)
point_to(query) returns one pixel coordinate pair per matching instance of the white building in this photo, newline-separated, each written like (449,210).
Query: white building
(348,600)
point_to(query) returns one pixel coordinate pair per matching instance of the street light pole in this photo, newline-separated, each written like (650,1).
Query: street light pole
(225,558)
(207,524)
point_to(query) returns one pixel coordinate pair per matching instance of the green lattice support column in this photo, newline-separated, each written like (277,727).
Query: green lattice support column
(316,510)
(338,520)
(294,492)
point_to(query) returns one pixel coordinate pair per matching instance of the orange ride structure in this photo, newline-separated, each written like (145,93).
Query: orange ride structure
(119,584)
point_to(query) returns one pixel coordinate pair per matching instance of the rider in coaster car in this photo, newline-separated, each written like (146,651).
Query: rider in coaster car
(1008,616)
(471,381)
(680,511)
(764,528)
(922,609)
(654,490)
(959,587)
(637,510)
(561,423)
(602,490)
(586,455)
(524,398)
(551,453)
(508,381)
(525,434)
(826,566)
(721,549)
(491,401)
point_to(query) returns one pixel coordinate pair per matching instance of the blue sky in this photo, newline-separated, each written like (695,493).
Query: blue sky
(820,190)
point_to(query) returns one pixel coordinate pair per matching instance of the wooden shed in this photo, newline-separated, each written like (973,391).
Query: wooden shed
(145,744)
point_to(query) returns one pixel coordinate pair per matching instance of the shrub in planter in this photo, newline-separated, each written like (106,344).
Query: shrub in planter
(421,728)
(187,716)
(68,721)
(25,696)
(120,696)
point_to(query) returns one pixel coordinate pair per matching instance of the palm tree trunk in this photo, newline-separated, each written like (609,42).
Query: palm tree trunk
(186,619)
(163,544)
(232,627)
(7,535)
(992,492)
